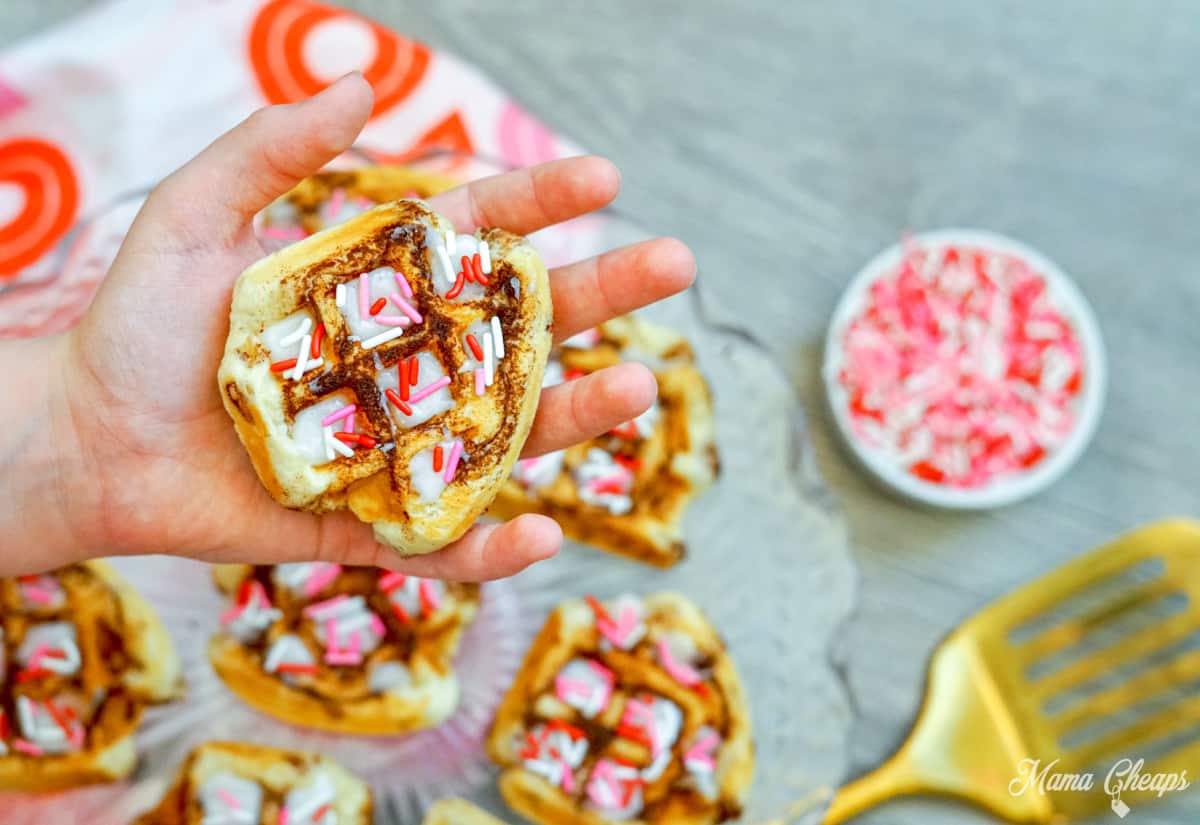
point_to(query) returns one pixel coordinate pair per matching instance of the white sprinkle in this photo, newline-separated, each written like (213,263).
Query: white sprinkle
(447,267)
(328,431)
(489,361)
(497,337)
(451,244)
(485,258)
(302,358)
(341,449)
(295,335)
(339,295)
(382,338)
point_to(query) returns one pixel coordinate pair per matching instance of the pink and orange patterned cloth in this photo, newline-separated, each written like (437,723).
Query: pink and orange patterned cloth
(94,112)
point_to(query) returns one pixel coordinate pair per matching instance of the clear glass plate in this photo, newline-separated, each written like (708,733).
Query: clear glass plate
(767,561)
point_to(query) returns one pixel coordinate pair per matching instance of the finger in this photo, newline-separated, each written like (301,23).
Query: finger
(487,551)
(216,194)
(590,406)
(530,199)
(592,291)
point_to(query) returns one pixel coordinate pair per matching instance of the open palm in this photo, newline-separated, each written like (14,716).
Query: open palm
(167,466)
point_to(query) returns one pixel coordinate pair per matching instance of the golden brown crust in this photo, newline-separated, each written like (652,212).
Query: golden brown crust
(571,633)
(675,463)
(125,651)
(374,482)
(278,771)
(337,699)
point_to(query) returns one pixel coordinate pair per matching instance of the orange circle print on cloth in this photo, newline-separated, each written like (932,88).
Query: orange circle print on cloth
(38,200)
(298,47)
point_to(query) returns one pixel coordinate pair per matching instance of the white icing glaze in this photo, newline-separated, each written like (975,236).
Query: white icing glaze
(287,649)
(296,576)
(389,676)
(354,624)
(429,370)
(308,435)
(381,283)
(600,467)
(38,726)
(304,802)
(408,595)
(50,637)
(615,790)
(557,757)
(624,624)
(585,685)
(660,720)
(229,799)
(700,759)
(428,484)
(535,473)
(280,338)
(41,593)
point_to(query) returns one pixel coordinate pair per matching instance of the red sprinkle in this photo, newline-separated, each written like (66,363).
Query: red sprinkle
(59,717)
(296,667)
(459,282)
(32,673)
(361,439)
(286,364)
(476,350)
(598,608)
(437,458)
(317,338)
(466,268)
(414,369)
(477,269)
(320,812)
(398,401)
(3,725)
(629,462)
(401,614)
(378,306)
(402,373)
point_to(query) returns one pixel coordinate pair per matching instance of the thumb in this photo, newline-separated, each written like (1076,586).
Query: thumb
(219,191)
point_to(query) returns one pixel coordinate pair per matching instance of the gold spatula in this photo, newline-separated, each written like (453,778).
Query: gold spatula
(1090,669)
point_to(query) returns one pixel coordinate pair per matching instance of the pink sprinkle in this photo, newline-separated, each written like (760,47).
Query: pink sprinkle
(343,657)
(680,672)
(36,657)
(283,233)
(452,461)
(480,386)
(364,297)
(355,645)
(702,750)
(402,282)
(229,799)
(232,613)
(429,594)
(319,579)
(27,748)
(390,581)
(429,390)
(339,414)
(321,607)
(392,320)
(37,594)
(619,631)
(377,625)
(565,687)
(333,208)
(348,427)
(283,815)
(405,307)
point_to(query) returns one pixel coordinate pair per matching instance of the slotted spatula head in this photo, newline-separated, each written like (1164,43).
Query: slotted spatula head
(1094,664)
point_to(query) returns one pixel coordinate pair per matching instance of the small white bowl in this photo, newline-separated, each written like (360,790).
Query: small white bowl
(1004,489)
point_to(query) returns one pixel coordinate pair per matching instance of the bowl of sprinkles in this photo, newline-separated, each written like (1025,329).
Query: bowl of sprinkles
(964,370)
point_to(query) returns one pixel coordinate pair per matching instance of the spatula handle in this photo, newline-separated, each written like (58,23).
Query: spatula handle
(890,780)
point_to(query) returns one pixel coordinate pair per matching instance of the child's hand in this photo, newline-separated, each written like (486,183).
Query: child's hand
(145,458)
